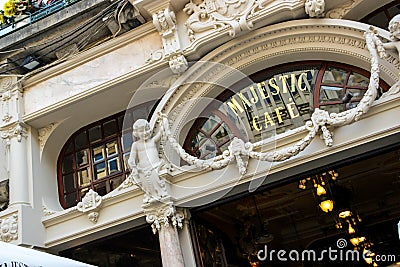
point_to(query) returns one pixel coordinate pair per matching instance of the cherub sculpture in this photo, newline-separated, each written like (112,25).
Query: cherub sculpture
(145,162)
(394,28)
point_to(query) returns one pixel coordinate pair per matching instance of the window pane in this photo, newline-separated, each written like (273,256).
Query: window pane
(80,140)
(69,148)
(70,199)
(114,183)
(111,148)
(351,105)
(83,192)
(68,164)
(110,128)
(82,158)
(329,93)
(356,79)
(113,165)
(334,75)
(69,183)
(95,134)
(127,140)
(333,108)
(84,177)
(98,153)
(356,93)
(101,188)
(100,170)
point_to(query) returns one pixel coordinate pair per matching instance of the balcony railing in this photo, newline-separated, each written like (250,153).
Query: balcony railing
(39,11)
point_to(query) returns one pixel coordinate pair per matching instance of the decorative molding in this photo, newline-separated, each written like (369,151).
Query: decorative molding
(163,214)
(340,12)
(207,15)
(315,8)
(17,130)
(90,204)
(46,211)
(165,22)
(9,227)
(44,133)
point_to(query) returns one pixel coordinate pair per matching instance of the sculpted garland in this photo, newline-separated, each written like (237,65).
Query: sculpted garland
(145,161)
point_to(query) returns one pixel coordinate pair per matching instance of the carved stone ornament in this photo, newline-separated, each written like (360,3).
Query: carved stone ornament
(220,14)
(340,12)
(315,8)
(9,228)
(163,215)
(165,22)
(90,204)
(17,131)
(322,123)
(44,133)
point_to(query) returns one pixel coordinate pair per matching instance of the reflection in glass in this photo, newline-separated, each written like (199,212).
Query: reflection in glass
(101,188)
(334,76)
(100,170)
(95,134)
(84,177)
(70,199)
(80,140)
(333,108)
(113,165)
(110,128)
(98,153)
(356,79)
(356,93)
(115,182)
(82,158)
(111,148)
(330,93)
(83,192)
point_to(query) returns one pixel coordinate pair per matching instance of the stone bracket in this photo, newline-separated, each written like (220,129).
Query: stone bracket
(90,204)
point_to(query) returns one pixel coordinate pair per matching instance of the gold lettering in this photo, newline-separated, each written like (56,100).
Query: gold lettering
(300,80)
(254,99)
(245,101)
(255,124)
(279,114)
(293,82)
(261,87)
(291,108)
(283,78)
(272,83)
(268,119)
(235,106)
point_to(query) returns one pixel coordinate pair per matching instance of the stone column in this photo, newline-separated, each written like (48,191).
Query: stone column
(13,132)
(165,220)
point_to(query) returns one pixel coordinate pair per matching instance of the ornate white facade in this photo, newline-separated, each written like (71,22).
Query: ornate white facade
(40,111)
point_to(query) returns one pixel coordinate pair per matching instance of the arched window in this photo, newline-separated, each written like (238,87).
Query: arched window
(383,15)
(280,99)
(95,156)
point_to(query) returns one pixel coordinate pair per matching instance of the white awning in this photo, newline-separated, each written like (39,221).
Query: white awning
(12,255)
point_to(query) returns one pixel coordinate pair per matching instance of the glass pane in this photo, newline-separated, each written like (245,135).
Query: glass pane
(120,122)
(351,105)
(70,199)
(69,183)
(394,10)
(356,93)
(111,148)
(380,20)
(114,183)
(95,134)
(113,165)
(80,140)
(69,148)
(333,108)
(101,188)
(356,79)
(82,157)
(208,149)
(67,164)
(84,177)
(221,134)
(100,170)
(110,128)
(334,75)
(127,140)
(329,93)
(98,153)
(84,191)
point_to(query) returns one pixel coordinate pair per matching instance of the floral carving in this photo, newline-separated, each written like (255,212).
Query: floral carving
(44,133)
(9,228)
(221,14)
(163,215)
(315,8)
(90,204)
(17,130)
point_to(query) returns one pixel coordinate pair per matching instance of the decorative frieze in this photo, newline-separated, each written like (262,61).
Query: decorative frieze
(9,227)
(90,204)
